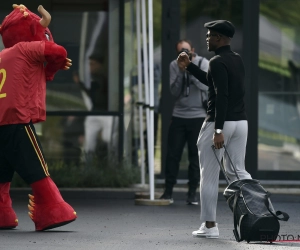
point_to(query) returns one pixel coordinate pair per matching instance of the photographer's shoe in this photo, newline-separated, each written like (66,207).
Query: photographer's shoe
(167,196)
(192,198)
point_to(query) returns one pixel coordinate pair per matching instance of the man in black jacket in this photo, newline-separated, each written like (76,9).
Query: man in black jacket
(226,121)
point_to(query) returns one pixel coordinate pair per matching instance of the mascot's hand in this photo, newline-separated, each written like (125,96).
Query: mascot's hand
(51,69)
(56,58)
(68,64)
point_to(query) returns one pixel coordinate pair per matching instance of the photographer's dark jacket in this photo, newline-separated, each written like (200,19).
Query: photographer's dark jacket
(188,106)
(226,89)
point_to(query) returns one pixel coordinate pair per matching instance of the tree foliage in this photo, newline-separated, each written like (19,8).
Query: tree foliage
(283,11)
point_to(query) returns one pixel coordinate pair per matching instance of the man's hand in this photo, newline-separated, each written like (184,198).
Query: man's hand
(183,60)
(218,140)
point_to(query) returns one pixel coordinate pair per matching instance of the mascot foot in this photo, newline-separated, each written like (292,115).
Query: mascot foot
(48,216)
(47,208)
(8,217)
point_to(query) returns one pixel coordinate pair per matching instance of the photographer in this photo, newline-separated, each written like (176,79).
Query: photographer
(188,115)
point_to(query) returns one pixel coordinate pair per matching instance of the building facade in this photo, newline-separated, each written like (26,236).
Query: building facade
(96,114)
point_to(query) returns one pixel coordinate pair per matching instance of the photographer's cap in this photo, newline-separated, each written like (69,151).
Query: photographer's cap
(224,27)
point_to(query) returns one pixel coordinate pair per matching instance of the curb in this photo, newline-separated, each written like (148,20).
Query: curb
(158,191)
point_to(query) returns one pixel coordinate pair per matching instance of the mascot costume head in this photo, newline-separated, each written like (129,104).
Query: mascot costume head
(22,25)
(24,29)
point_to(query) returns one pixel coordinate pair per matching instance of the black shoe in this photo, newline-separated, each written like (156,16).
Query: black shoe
(192,198)
(167,196)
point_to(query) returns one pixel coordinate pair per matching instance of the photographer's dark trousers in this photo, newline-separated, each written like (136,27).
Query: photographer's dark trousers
(181,131)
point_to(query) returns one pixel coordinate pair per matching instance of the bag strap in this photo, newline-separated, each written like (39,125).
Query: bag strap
(221,165)
(200,62)
(202,93)
(187,83)
(231,163)
(199,65)
(267,203)
(235,222)
(184,81)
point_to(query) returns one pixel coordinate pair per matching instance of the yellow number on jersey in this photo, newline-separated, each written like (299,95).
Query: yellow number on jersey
(3,72)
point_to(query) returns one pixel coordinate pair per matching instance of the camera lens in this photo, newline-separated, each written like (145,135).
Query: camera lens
(187,52)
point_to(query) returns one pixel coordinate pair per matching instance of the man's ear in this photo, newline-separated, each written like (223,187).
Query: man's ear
(193,50)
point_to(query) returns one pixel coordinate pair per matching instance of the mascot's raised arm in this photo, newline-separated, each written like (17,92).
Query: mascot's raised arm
(22,25)
(30,58)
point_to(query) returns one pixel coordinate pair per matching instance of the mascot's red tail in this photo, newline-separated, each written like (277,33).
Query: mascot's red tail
(47,208)
(8,217)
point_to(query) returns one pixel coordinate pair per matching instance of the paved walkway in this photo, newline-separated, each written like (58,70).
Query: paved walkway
(108,219)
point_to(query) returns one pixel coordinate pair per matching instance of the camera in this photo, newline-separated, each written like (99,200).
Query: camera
(187,52)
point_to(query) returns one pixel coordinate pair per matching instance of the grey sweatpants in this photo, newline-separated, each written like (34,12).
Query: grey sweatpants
(235,139)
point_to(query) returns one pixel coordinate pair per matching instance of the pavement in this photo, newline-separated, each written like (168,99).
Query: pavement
(109,219)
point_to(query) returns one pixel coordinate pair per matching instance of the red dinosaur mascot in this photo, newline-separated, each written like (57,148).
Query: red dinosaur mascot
(29,59)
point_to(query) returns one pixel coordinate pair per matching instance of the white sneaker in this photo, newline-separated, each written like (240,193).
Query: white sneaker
(203,231)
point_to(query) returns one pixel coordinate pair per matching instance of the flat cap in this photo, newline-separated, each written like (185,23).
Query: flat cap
(224,27)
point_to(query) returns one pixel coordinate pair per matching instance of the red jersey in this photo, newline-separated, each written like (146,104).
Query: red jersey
(23,83)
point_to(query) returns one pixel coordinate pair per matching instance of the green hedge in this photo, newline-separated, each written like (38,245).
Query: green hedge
(92,173)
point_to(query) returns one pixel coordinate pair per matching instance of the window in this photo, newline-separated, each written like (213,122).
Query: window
(89,30)
(279,86)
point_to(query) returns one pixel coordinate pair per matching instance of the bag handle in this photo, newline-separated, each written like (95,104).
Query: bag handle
(231,163)
(222,166)
(267,203)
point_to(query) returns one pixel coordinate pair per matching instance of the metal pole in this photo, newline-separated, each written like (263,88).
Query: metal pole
(146,78)
(140,93)
(151,97)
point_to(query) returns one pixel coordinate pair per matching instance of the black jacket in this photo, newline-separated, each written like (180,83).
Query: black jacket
(226,88)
